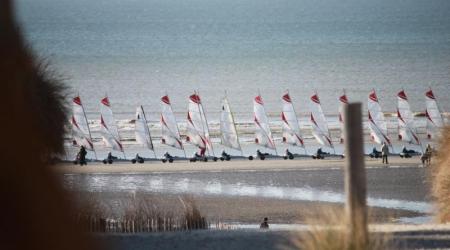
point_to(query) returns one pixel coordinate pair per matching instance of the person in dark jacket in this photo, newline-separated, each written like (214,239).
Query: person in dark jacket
(82,156)
(265,224)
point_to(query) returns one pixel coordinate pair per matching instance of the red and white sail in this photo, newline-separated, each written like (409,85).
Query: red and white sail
(229,135)
(141,129)
(197,125)
(80,127)
(434,117)
(319,123)
(291,127)
(170,132)
(343,101)
(406,128)
(263,135)
(377,122)
(109,130)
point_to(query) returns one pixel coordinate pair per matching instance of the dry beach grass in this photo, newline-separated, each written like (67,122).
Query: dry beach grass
(441,178)
(328,231)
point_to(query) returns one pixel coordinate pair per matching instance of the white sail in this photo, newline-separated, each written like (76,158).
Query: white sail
(80,128)
(434,117)
(319,123)
(377,122)
(343,101)
(141,130)
(109,130)
(262,133)
(228,131)
(197,126)
(291,127)
(406,127)
(170,133)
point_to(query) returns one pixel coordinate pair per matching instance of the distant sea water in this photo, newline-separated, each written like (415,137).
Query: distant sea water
(137,50)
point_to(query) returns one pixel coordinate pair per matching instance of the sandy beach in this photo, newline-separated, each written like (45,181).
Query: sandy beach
(233,165)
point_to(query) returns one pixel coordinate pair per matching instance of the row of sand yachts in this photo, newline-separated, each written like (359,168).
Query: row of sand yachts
(198,130)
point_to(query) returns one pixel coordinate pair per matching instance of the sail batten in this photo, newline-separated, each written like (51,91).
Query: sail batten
(109,130)
(169,128)
(263,134)
(80,127)
(291,127)
(377,122)
(229,135)
(319,123)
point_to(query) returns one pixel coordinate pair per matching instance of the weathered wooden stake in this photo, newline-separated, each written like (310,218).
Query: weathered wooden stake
(355,177)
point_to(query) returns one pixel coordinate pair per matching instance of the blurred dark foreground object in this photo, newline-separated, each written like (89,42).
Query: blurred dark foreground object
(34,213)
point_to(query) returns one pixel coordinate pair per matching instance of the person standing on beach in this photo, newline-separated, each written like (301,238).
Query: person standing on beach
(82,156)
(265,224)
(384,153)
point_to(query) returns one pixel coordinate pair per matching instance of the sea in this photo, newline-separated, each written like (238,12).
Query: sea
(135,51)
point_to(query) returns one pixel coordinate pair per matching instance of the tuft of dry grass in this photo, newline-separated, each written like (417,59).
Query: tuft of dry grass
(441,177)
(137,212)
(328,231)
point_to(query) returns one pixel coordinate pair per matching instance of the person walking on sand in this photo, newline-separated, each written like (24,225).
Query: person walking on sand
(265,224)
(82,156)
(384,153)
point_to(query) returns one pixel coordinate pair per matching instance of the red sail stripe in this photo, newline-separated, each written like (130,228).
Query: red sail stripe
(105,101)
(300,139)
(287,98)
(74,122)
(120,145)
(430,94)
(257,122)
(373,96)
(102,122)
(313,120)
(189,118)
(343,99)
(77,100)
(402,95)
(429,117)
(315,98)
(284,118)
(195,98)
(259,100)
(400,116)
(165,99)
(164,121)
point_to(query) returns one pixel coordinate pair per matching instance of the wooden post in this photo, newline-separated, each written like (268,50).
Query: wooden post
(355,178)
